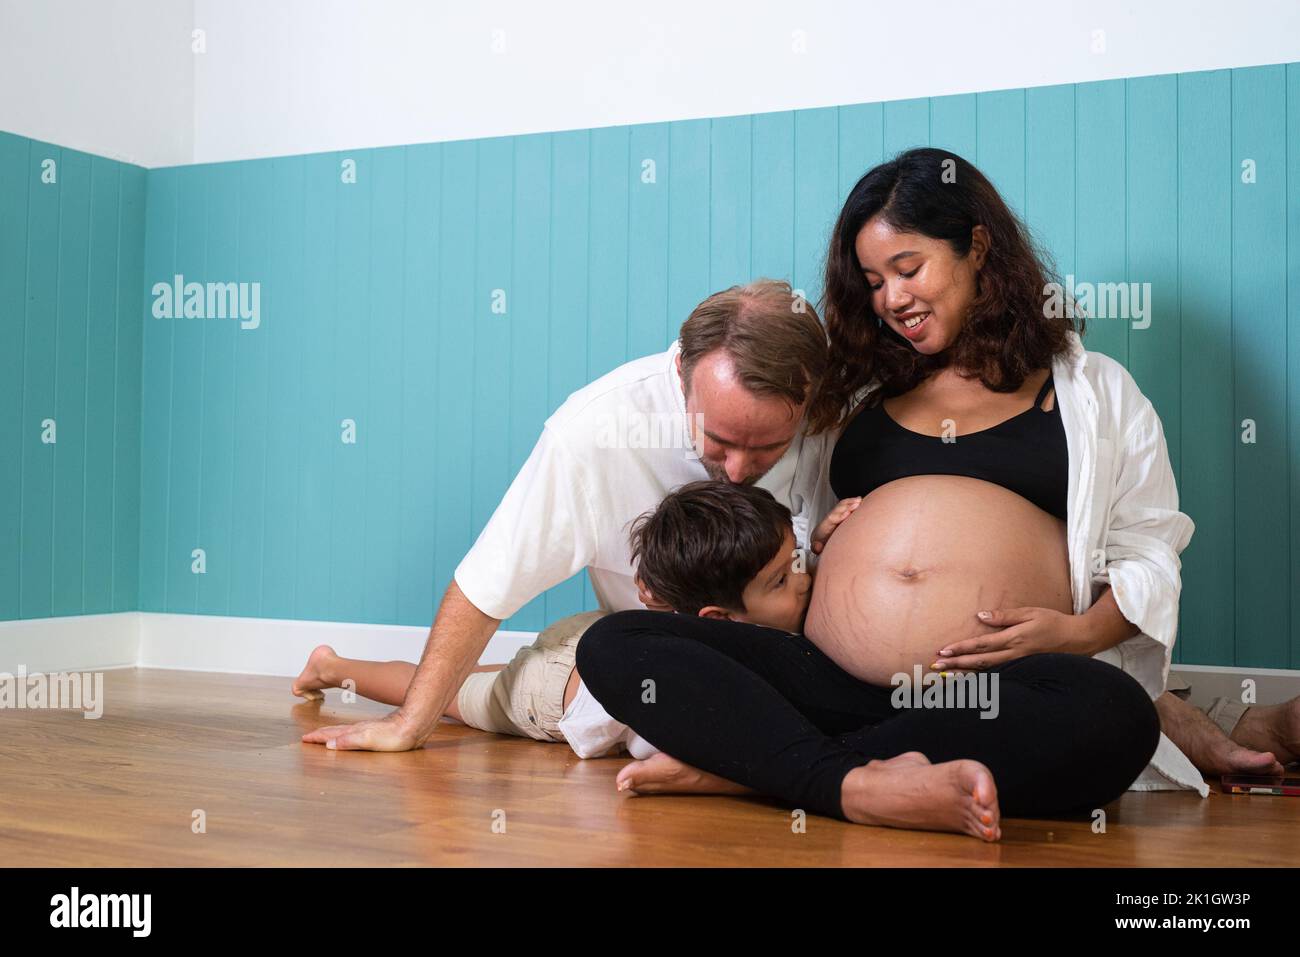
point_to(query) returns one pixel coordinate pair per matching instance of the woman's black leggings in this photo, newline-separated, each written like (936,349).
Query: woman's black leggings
(768,710)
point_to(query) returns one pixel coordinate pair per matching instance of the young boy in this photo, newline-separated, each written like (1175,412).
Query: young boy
(710,548)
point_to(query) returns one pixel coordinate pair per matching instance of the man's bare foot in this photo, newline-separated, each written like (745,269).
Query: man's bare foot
(663,774)
(1205,744)
(314,679)
(908,791)
(1274,727)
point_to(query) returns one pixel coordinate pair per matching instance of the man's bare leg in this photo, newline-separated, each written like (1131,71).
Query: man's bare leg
(1212,751)
(382,681)
(1273,727)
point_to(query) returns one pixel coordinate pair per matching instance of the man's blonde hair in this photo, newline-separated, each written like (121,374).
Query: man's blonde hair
(773,337)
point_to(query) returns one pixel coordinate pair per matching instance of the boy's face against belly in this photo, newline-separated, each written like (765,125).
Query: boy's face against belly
(906,573)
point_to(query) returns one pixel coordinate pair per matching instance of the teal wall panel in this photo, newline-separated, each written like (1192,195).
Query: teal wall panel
(71,244)
(1209,433)
(1259,356)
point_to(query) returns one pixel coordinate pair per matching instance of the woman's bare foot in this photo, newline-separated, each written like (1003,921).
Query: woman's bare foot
(908,791)
(1274,727)
(1205,744)
(663,774)
(314,679)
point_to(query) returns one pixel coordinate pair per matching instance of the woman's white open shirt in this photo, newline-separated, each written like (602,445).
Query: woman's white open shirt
(1124,528)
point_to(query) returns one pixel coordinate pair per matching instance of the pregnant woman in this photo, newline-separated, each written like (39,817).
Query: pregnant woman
(1002,467)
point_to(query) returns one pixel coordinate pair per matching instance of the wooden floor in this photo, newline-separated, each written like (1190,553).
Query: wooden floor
(122,790)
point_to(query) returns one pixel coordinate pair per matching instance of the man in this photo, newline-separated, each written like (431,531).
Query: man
(727,401)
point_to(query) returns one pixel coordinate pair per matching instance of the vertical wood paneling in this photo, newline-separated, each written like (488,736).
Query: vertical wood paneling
(772,218)
(1293,341)
(730,161)
(1050,173)
(816,195)
(69,346)
(284,298)
(688,221)
(162,189)
(187,379)
(1099,213)
(318,423)
(954,124)
(211,493)
(382,450)
(1000,143)
(16,173)
(647,241)
(418,589)
(67,572)
(248,385)
(907,124)
(132,319)
(354,238)
(1154,346)
(861,144)
(36,483)
(98,487)
(607,320)
(1259,332)
(1208,431)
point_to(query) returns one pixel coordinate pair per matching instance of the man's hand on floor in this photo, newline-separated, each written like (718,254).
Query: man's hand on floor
(390,733)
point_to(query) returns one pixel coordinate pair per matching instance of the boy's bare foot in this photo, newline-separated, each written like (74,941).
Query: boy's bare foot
(1205,744)
(663,774)
(315,674)
(1274,727)
(908,791)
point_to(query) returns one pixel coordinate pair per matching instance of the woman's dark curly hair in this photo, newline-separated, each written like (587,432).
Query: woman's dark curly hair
(1007,334)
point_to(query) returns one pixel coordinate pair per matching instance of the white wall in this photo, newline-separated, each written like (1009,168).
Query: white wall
(110,77)
(280,77)
(300,76)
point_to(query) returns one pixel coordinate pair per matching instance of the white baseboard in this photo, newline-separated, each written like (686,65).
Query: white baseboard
(259,646)
(72,643)
(270,646)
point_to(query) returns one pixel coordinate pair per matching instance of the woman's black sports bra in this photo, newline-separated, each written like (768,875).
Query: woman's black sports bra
(1025,453)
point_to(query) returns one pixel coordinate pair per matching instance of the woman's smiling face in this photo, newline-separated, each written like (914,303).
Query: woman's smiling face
(913,277)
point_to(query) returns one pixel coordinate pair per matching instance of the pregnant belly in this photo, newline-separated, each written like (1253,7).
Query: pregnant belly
(906,572)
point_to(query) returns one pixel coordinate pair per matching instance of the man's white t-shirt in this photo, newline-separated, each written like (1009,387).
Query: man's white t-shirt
(611,452)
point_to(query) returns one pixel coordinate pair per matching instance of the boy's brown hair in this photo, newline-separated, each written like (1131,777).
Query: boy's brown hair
(706,542)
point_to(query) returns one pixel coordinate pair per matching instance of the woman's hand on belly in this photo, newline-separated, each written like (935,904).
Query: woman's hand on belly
(1027,631)
(1021,632)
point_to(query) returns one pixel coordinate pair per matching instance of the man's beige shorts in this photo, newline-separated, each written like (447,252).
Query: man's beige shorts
(526,698)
